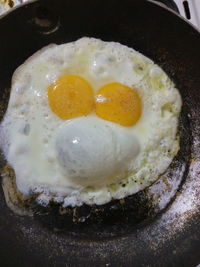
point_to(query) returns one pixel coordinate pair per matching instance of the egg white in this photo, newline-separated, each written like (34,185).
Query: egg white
(30,134)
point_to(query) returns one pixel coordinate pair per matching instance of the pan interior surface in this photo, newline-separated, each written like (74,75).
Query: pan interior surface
(145,223)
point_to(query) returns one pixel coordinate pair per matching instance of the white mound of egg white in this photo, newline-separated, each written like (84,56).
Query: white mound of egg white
(87,159)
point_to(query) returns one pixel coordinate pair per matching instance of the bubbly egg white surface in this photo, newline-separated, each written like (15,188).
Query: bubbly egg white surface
(88,159)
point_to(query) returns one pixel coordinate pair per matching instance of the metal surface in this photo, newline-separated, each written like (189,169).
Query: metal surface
(190,9)
(169,237)
(169,3)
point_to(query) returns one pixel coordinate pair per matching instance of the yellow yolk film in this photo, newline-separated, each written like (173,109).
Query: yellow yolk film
(70,96)
(118,103)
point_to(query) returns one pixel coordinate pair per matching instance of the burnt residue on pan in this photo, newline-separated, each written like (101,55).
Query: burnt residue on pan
(9,2)
(166,232)
(123,216)
(119,216)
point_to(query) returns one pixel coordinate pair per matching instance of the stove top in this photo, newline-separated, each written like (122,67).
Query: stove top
(189,9)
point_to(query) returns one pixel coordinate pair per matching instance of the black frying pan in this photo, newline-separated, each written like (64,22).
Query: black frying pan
(139,231)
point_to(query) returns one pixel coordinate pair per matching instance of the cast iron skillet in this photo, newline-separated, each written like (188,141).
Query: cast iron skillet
(116,235)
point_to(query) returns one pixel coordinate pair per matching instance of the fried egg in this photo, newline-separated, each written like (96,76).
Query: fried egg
(89,121)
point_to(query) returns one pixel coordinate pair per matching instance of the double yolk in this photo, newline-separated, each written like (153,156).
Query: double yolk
(72,96)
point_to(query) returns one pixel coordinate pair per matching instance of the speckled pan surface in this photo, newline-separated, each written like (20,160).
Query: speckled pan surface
(164,230)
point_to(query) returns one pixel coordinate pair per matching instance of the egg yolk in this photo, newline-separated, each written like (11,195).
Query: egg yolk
(70,96)
(118,103)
